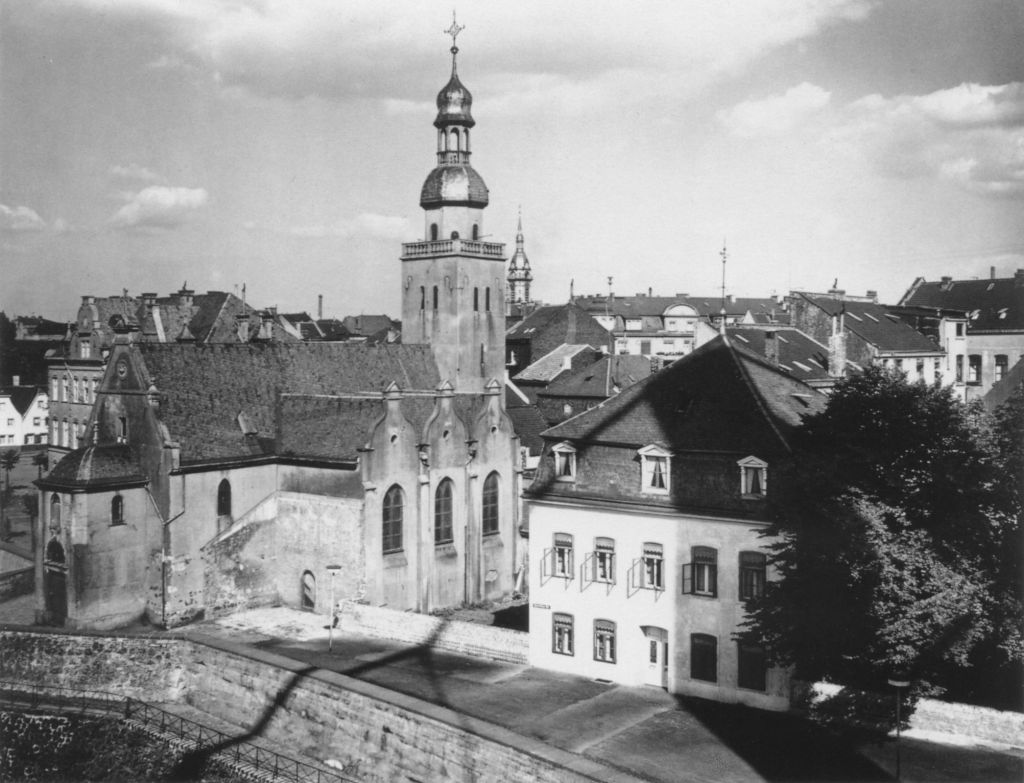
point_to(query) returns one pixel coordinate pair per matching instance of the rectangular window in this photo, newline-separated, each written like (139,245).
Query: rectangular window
(10,422)
(700,576)
(565,464)
(604,560)
(604,641)
(959,368)
(919,368)
(562,556)
(561,634)
(752,667)
(752,575)
(1002,364)
(703,657)
(651,572)
(974,368)
(35,421)
(960,330)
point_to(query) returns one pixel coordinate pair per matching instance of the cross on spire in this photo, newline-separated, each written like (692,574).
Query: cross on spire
(454,31)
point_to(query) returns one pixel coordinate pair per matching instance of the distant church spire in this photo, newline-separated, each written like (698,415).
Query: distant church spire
(519,274)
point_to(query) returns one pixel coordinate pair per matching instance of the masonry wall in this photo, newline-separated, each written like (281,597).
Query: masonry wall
(311,713)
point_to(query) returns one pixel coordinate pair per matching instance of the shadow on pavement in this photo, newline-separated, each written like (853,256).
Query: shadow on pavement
(783,747)
(516,618)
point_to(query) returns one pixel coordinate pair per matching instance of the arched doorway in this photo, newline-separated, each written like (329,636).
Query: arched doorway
(308,591)
(55,583)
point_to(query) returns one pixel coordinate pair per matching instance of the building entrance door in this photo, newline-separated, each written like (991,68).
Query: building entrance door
(657,656)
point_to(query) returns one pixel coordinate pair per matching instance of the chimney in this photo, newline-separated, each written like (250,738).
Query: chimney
(570,335)
(320,307)
(16,380)
(945,283)
(185,296)
(991,273)
(1018,279)
(148,300)
(873,296)
(650,292)
(771,347)
(242,328)
(837,347)
(88,300)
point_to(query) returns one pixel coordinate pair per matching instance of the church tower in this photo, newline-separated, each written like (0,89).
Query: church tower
(519,275)
(453,296)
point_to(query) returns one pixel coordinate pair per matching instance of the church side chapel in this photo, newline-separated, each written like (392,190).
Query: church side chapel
(218,477)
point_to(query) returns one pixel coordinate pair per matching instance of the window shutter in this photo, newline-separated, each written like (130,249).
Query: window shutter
(713,574)
(688,578)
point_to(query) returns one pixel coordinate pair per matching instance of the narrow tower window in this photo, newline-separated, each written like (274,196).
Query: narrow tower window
(435,297)
(423,297)
(476,231)
(476,300)
(487,299)
(433,231)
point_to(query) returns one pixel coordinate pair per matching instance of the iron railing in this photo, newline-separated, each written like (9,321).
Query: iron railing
(223,747)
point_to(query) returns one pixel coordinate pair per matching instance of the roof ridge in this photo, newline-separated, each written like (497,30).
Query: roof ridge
(735,353)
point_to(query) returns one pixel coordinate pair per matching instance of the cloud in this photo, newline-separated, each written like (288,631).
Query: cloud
(776,114)
(20,219)
(158,206)
(341,50)
(970,135)
(366,224)
(133,171)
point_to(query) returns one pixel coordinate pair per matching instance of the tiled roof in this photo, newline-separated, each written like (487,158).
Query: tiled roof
(719,398)
(326,427)
(538,319)
(204,388)
(95,467)
(992,305)
(528,424)
(552,364)
(799,355)
(367,325)
(875,325)
(601,378)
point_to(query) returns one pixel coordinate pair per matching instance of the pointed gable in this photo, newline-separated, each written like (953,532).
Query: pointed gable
(718,398)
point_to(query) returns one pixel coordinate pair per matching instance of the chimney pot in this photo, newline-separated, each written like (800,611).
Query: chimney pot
(991,273)
(771,347)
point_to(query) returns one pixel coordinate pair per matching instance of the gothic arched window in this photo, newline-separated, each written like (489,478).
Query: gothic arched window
(443,531)
(55,510)
(117,510)
(476,231)
(394,503)
(224,499)
(491,516)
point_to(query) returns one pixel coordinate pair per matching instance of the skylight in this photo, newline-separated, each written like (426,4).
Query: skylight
(868,315)
(855,317)
(802,366)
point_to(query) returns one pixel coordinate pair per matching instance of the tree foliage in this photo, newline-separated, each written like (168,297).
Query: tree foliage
(897,539)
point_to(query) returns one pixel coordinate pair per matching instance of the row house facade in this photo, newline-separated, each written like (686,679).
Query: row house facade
(645,527)
(24,415)
(986,335)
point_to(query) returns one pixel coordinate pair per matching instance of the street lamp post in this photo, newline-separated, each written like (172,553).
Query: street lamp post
(332,569)
(898,682)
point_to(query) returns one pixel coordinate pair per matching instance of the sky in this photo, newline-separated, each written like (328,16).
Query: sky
(281,145)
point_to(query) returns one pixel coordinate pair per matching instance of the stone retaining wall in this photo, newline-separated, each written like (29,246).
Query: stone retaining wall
(481,641)
(16,583)
(309,712)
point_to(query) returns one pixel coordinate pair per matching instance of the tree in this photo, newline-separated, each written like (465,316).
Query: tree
(8,460)
(893,526)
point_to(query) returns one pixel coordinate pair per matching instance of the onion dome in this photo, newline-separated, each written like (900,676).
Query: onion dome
(454,103)
(454,185)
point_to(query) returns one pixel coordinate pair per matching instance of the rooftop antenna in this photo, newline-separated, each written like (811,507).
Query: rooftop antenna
(725,255)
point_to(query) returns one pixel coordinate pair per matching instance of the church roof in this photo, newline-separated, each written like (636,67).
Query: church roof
(96,467)
(205,388)
(719,398)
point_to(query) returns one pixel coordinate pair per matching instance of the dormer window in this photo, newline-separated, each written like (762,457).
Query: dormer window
(654,470)
(565,461)
(753,477)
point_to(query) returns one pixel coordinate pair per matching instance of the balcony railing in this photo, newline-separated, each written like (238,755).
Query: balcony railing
(445,247)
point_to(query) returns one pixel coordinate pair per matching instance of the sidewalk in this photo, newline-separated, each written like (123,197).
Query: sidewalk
(643,731)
